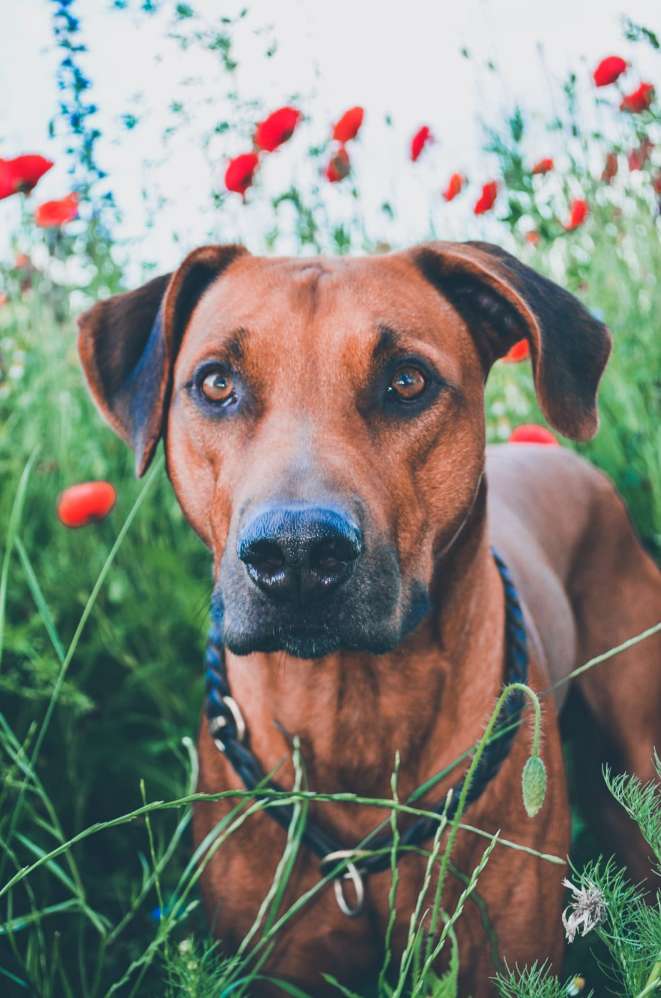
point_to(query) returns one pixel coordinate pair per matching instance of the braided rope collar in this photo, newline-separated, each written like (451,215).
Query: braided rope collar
(228,730)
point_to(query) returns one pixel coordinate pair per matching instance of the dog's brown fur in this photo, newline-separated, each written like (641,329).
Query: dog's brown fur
(308,327)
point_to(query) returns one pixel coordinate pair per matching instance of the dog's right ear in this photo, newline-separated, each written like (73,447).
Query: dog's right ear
(128,345)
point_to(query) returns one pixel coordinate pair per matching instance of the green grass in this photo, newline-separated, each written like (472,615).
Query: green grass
(101,633)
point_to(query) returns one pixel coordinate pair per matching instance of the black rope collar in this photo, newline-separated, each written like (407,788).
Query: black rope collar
(228,730)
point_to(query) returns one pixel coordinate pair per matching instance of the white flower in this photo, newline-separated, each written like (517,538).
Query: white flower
(586,910)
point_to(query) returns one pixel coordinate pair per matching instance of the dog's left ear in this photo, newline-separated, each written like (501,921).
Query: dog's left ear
(128,345)
(503,301)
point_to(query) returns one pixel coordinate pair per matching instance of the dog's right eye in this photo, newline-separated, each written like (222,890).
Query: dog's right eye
(217,386)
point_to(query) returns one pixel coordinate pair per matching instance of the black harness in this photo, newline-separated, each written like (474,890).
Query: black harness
(228,730)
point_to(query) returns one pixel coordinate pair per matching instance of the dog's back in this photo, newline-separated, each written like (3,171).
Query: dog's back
(588,586)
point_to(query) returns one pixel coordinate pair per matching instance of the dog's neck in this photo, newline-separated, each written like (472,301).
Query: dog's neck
(426,699)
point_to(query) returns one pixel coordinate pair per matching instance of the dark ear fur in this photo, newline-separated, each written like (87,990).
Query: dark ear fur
(503,301)
(128,344)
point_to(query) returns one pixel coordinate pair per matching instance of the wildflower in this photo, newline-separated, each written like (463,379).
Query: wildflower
(638,100)
(656,182)
(419,141)
(610,168)
(578,212)
(520,351)
(455,183)
(349,124)
(637,158)
(276,128)
(22,173)
(575,986)
(587,909)
(543,166)
(339,166)
(487,198)
(3,299)
(532,433)
(81,504)
(51,214)
(608,70)
(240,171)
(533,237)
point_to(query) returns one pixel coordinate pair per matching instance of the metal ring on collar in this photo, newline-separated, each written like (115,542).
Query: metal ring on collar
(217,723)
(352,873)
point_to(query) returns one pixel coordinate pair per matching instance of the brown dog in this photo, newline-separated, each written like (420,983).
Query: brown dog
(324,431)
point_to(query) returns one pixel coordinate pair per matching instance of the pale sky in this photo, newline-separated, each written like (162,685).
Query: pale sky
(401,58)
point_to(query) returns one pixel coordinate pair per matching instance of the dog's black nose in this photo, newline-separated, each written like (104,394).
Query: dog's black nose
(299,553)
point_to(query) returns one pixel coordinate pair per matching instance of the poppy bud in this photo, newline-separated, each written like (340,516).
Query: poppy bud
(639,100)
(543,166)
(578,212)
(419,141)
(339,166)
(22,173)
(520,351)
(610,168)
(531,433)
(455,184)
(52,214)
(276,128)
(608,70)
(240,171)
(82,504)
(349,124)
(533,785)
(487,198)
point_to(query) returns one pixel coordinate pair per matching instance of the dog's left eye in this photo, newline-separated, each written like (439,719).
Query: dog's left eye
(407,383)
(217,386)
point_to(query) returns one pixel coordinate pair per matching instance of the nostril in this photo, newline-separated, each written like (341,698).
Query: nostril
(264,555)
(333,554)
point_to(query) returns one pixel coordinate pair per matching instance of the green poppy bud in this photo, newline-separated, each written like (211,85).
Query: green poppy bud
(533,784)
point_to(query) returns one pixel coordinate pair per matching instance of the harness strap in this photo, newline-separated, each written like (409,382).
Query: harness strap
(228,730)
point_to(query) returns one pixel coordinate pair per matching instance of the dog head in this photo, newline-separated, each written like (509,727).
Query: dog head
(323,419)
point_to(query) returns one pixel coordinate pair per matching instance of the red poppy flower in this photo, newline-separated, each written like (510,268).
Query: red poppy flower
(608,70)
(339,166)
(543,166)
(638,100)
(531,433)
(637,158)
(656,182)
(455,183)
(487,198)
(82,504)
(578,212)
(520,351)
(53,213)
(240,172)
(3,299)
(349,124)
(277,128)
(533,237)
(419,141)
(610,168)
(22,173)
